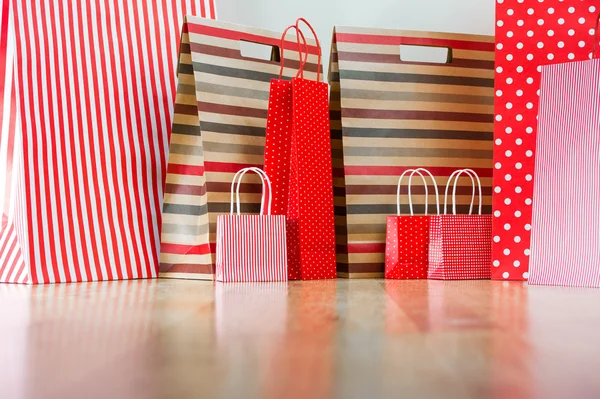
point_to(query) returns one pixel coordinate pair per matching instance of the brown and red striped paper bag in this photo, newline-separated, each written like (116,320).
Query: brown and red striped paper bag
(389,115)
(218,128)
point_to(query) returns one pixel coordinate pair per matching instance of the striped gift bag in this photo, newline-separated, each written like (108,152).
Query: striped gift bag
(251,247)
(392,110)
(566,191)
(95,85)
(218,129)
(460,246)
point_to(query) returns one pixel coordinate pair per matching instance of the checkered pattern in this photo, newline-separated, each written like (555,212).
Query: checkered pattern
(460,247)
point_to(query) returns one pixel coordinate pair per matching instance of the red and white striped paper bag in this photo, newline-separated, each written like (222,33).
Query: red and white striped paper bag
(460,246)
(251,247)
(95,85)
(566,190)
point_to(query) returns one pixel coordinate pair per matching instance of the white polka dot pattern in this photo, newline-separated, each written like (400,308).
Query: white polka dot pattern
(528,34)
(460,247)
(406,247)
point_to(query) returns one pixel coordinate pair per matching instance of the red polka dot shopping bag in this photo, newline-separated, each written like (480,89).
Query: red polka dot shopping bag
(407,237)
(566,190)
(251,247)
(529,35)
(460,246)
(298,156)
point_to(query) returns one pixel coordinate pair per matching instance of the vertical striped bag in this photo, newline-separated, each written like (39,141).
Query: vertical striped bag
(566,190)
(301,155)
(85,134)
(460,246)
(407,237)
(251,247)
(389,113)
(218,129)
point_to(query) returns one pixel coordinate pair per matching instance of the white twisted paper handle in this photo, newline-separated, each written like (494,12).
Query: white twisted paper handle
(266,183)
(410,204)
(455,175)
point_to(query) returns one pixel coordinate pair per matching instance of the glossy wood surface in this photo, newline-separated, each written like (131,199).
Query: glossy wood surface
(320,339)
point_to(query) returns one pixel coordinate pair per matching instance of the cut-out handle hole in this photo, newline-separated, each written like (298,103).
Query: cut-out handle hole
(427,54)
(259,51)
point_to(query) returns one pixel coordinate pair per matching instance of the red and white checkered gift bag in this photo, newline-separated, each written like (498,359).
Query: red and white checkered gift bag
(407,236)
(251,247)
(460,246)
(566,192)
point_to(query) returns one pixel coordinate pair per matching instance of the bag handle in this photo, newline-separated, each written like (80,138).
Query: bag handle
(410,204)
(596,38)
(318,45)
(299,35)
(266,184)
(455,175)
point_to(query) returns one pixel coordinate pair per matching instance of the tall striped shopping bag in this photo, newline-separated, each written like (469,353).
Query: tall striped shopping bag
(407,236)
(394,107)
(566,191)
(251,247)
(218,129)
(460,246)
(87,98)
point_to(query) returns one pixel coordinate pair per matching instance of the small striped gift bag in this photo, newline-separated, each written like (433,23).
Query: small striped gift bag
(460,246)
(407,236)
(566,192)
(251,247)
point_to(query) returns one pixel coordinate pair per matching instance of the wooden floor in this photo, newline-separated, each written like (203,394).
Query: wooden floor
(324,339)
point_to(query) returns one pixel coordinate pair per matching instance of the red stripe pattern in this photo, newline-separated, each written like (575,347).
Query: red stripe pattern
(96,84)
(566,189)
(251,248)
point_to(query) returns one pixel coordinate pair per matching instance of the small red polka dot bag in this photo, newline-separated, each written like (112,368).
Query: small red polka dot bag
(407,236)
(460,246)
(251,248)
(298,159)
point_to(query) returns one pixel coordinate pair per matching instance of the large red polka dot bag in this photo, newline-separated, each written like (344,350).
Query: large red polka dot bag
(529,34)
(407,236)
(298,159)
(460,246)
(566,192)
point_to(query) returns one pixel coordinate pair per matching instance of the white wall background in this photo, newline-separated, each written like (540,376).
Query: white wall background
(456,16)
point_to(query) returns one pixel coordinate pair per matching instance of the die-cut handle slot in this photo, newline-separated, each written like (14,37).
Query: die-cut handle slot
(425,54)
(259,51)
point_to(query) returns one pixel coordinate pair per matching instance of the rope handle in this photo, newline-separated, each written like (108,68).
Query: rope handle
(455,175)
(316,40)
(299,35)
(410,204)
(266,184)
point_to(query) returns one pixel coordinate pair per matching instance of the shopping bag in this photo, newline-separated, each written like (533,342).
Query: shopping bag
(460,246)
(529,35)
(407,237)
(251,247)
(309,199)
(565,224)
(83,154)
(218,129)
(389,114)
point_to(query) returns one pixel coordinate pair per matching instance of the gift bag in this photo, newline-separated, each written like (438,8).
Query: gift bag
(407,237)
(251,247)
(460,245)
(304,156)
(392,111)
(529,35)
(218,129)
(565,224)
(85,136)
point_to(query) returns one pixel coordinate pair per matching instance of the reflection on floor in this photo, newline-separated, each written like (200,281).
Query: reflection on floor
(321,339)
